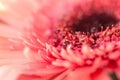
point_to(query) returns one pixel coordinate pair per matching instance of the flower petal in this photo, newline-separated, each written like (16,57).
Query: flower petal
(9,73)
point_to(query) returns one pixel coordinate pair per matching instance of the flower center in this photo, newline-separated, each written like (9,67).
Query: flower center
(88,29)
(94,23)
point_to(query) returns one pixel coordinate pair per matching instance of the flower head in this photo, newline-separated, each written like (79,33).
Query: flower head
(67,40)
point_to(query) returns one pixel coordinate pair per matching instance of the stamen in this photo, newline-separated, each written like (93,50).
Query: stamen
(90,30)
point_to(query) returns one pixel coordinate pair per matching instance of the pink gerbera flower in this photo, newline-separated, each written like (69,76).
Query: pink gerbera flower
(60,40)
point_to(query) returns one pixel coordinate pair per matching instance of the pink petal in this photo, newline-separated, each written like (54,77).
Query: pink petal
(80,73)
(103,74)
(9,73)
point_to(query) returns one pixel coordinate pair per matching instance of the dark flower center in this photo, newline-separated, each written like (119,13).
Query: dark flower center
(88,29)
(94,23)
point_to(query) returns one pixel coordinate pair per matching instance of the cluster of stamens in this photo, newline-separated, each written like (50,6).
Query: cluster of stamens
(64,37)
(92,30)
